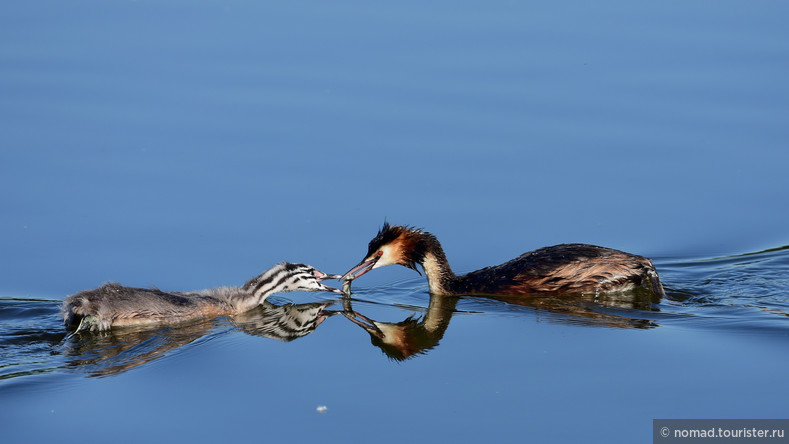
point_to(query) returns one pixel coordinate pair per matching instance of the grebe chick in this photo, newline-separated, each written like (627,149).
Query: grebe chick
(567,268)
(113,305)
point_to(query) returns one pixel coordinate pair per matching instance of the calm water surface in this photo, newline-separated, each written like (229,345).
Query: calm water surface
(189,145)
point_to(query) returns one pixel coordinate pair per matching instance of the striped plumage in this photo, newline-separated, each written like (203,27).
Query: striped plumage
(567,268)
(285,322)
(113,305)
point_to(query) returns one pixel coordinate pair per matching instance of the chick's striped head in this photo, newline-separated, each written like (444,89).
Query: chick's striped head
(288,276)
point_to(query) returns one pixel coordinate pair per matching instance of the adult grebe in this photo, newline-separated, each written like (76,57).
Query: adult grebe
(113,305)
(567,268)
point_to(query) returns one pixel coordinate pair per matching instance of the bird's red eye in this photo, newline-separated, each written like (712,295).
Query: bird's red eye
(380,253)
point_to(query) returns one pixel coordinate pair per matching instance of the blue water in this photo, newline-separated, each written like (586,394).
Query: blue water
(189,145)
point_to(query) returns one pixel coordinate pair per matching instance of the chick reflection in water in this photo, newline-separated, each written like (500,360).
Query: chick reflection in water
(117,350)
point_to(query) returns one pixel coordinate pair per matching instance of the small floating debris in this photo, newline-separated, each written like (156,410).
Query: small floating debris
(322,409)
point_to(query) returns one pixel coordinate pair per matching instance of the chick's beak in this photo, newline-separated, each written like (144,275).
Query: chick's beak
(333,290)
(323,276)
(362,268)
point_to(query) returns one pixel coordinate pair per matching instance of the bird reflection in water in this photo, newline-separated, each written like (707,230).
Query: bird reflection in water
(410,337)
(117,350)
(283,322)
(416,336)
(628,309)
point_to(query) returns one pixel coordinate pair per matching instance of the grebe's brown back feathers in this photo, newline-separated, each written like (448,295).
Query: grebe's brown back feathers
(566,268)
